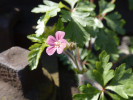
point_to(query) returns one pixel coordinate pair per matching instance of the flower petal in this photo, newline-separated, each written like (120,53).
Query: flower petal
(51,40)
(59,35)
(63,43)
(50,50)
(60,50)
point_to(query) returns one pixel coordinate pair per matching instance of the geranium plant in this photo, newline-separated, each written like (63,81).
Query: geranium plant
(76,26)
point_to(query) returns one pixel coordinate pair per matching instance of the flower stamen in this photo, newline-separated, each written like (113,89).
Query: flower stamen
(57,44)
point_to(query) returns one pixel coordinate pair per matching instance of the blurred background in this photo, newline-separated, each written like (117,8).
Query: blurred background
(17,21)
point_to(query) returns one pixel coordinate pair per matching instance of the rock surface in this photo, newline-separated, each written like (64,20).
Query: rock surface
(18,82)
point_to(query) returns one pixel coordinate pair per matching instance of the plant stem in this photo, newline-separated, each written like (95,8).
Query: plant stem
(112,1)
(93,83)
(71,58)
(78,58)
(92,1)
(89,47)
(103,15)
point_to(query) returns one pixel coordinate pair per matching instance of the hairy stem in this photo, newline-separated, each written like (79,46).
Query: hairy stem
(71,57)
(78,58)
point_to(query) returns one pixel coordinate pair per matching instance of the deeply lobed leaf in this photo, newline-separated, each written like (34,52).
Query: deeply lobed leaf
(89,93)
(35,54)
(77,33)
(115,22)
(105,7)
(71,2)
(117,84)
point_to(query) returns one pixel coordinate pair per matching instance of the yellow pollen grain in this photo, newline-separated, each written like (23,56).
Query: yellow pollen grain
(57,44)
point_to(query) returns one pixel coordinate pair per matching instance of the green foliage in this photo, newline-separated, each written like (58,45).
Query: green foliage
(115,22)
(89,93)
(103,69)
(105,7)
(36,50)
(79,18)
(77,33)
(34,38)
(35,53)
(122,82)
(80,23)
(71,2)
(42,24)
(131,45)
(88,60)
(48,6)
(106,40)
(130,4)
(50,30)
(51,9)
(115,83)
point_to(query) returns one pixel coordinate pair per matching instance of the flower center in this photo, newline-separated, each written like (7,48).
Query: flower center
(57,44)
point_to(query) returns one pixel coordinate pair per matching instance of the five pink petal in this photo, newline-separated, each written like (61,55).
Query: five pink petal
(51,41)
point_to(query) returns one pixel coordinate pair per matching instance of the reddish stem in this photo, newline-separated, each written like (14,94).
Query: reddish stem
(103,90)
(92,1)
(89,47)
(101,17)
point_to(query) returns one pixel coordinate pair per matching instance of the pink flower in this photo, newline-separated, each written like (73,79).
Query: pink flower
(57,43)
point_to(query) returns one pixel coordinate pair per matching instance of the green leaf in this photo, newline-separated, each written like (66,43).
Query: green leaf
(128,88)
(102,56)
(98,77)
(80,15)
(66,15)
(34,38)
(71,2)
(102,97)
(48,6)
(122,82)
(42,24)
(119,74)
(108,76)
(86,96)
(85,6)
(105,7)
(89,93)
(110,46)
(35,53)
(115,22)
(102,73)
(75,32)
(87,88)
(60,25)
(97,23)
(50,30)
(119,90)
(130,4)
(78,19)
(117,84)
(50,9)
(115,96)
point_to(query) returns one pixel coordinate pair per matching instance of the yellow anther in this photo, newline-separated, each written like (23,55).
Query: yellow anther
(57,44)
